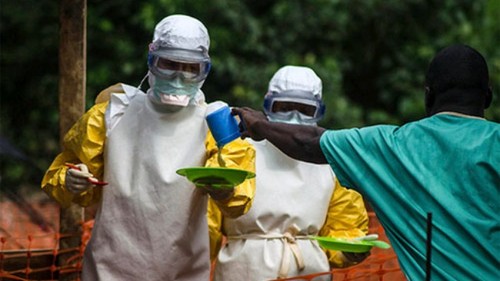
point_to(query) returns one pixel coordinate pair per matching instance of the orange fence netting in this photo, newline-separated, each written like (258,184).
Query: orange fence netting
(29,248)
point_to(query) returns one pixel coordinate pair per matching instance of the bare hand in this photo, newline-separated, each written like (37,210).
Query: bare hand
(249,119)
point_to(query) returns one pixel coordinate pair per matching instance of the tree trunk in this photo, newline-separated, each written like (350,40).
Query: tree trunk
(72,79)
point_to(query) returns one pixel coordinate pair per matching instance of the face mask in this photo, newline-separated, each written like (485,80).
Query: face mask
(294,117)
(284,105)
(173,91)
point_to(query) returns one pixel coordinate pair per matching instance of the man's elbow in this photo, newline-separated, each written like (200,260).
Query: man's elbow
(315,154)
(311,149)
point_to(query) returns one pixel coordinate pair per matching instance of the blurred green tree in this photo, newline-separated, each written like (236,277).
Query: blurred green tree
(370,54)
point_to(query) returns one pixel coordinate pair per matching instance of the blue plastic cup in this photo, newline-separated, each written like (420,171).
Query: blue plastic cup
(222,124)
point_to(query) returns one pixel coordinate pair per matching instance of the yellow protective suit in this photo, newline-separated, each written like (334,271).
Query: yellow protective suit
(258,243)
(347,218)
(84,143)
(151,222)
(89,149)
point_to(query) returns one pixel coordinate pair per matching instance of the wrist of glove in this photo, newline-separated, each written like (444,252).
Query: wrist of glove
(78,180)
(359,257)
(355,257)
(219,194)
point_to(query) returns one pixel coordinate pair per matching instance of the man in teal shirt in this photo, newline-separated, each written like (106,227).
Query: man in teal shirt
(447,164)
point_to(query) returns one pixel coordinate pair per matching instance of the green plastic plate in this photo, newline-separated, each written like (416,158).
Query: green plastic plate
(346,245)
(215,176)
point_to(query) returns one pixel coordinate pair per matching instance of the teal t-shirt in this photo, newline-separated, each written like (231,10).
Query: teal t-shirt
(445,164)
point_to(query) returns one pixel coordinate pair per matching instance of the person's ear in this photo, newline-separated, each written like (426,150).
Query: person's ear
(489,98)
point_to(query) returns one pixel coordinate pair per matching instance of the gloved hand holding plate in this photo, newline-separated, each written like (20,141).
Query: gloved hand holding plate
(349,245)
(215,176)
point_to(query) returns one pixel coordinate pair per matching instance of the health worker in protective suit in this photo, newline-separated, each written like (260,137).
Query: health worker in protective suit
(294,200)
(151,223)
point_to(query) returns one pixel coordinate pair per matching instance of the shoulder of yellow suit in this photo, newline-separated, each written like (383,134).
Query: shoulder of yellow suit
(105,95)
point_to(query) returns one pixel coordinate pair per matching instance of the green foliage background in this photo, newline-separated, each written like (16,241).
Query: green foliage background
(370,54)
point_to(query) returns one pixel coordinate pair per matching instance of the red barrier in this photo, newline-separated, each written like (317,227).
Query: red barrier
(29,247)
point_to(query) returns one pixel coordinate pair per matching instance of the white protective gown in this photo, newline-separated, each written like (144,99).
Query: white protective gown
(288,193)
(151,224)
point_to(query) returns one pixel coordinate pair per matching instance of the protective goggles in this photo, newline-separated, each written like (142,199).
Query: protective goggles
(170,64)
(284,105)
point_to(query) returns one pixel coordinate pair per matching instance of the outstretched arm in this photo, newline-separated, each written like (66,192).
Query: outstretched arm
(297,141)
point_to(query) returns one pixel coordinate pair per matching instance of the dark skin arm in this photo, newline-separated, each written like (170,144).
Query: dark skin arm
(297,141)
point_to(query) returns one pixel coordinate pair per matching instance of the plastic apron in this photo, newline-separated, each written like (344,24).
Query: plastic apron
(151,224)
(291,201)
